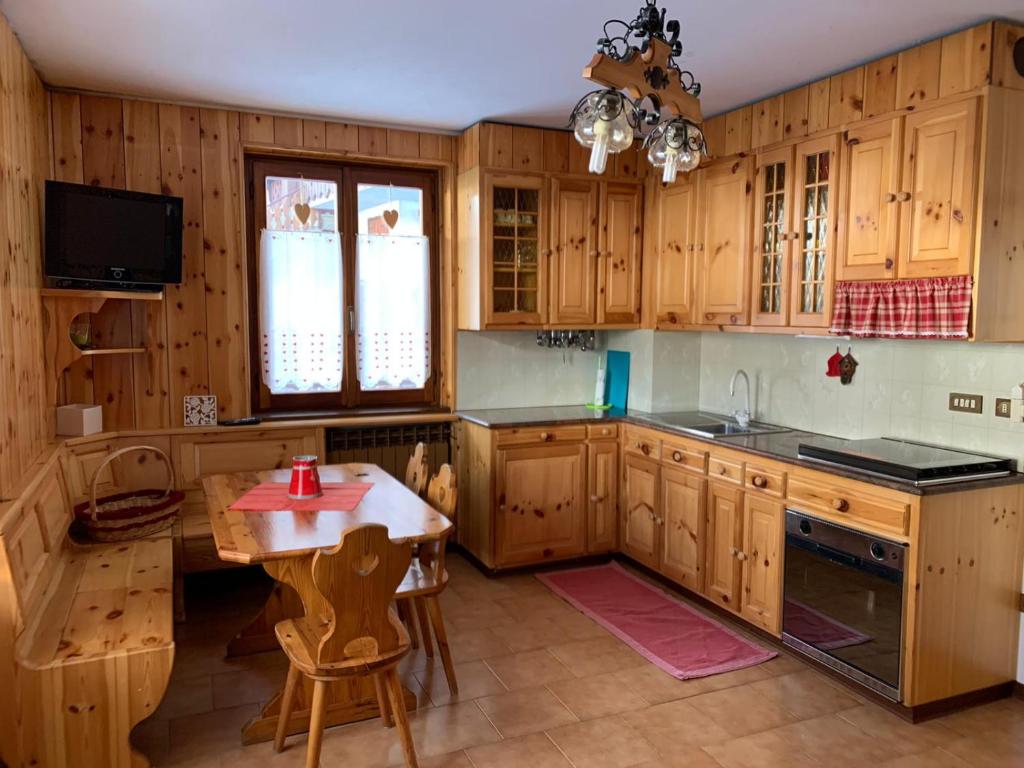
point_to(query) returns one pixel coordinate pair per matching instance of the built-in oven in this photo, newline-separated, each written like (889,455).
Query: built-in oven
(843,600)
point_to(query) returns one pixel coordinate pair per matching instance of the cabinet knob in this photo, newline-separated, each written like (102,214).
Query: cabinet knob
(690,247)
(890,197)
(759,481)
(840,505)
(677,457)
(700,246)
(741,556)
(888,263)
(796,235)
(784,236)
(595,254)
(596,499)
(645,449)
(733,551)
(546,436)
(903,197)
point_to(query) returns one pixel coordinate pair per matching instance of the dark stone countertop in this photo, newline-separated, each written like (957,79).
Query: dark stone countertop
(780,446)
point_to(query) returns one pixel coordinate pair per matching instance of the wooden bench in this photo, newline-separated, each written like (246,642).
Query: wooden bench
(86,633)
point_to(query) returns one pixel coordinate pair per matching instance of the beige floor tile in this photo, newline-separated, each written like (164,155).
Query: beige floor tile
(535,750)
(989,748)
(578,626)
(933,758)
(830,739)
(532,634)
(361,745)
(532,710)
(597,655)
(895,734)
(532,607)
(683,757)
(470,645)
(666,726)
(250,686)
(1006,715)
(767,749)
(596,696)
(152,737)
(440,730)
(528,669)
(741,711)
(604,743)
(188,696)
(475,679)
(805,694)
(451,760)
(197,736)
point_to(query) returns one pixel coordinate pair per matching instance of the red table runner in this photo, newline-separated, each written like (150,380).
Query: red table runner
(269,497)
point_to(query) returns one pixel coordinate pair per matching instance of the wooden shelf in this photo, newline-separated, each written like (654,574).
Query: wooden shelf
(77,293)
(112,351)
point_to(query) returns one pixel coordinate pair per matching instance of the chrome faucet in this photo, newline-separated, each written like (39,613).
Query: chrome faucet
(742,417)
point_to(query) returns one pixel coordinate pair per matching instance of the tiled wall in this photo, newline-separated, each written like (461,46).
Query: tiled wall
(901,388)
(664,369)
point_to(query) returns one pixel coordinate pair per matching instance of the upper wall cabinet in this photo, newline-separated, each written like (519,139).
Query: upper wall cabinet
(673,214)
(620,247)
(574,261)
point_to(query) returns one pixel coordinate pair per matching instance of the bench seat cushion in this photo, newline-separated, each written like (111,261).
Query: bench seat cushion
(108,599)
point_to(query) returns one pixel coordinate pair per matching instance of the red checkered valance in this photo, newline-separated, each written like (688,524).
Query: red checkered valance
(930,308)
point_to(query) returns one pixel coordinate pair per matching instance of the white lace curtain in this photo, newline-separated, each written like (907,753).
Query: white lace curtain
(393,312)
(301,311)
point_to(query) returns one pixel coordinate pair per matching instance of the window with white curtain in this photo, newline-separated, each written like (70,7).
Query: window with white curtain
(345,280)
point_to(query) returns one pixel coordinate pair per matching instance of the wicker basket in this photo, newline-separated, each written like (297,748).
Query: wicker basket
(133,514)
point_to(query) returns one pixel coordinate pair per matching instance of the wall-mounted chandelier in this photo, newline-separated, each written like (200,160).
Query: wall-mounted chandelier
(635,61)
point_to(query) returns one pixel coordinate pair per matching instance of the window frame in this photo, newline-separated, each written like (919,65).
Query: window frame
(347,176)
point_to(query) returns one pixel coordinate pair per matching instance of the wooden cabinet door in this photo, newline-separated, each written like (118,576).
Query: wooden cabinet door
(761,558)
(675,213)
(515,241)
(868,222)
(640,530)
(937,200)
(603,506)
(574,261)
(773,216)
(723,242)
(683,498)
(812,242)
(541,493)
(618,292)
(724,537)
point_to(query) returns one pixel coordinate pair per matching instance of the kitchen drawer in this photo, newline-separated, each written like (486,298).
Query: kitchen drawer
(572,433)
(726,469)
(642,442)
(602,431)
(849,503)
(769,481)
(685,456)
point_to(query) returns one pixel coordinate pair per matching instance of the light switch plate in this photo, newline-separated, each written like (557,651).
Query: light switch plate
(964,403)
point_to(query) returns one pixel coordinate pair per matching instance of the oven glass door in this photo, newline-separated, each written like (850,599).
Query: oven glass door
(844,606)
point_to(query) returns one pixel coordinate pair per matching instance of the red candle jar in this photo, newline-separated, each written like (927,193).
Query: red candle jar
(305,482)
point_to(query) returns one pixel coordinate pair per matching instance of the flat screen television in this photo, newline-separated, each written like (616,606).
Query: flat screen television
(110,238)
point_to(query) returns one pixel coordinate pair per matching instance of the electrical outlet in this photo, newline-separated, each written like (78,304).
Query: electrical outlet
(958,401)
(1003,407)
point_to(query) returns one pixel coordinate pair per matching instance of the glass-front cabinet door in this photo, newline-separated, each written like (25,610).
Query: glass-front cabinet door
(516,250)
(773,202)
(813,238)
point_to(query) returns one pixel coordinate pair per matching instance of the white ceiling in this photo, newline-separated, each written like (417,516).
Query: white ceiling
(448,63)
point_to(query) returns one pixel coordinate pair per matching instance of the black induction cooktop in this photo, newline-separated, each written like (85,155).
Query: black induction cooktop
(917,463)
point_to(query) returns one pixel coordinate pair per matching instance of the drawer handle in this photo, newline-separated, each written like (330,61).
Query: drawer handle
(840,505)
(546,436)
(645,449)
(723,470)
(890,197)
(677,457)
(760,481)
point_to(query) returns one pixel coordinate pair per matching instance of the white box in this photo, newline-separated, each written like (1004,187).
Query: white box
(78,420)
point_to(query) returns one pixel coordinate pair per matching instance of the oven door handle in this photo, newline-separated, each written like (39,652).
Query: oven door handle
(839,557)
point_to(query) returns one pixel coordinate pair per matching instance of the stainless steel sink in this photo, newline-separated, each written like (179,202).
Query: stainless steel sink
(712,425)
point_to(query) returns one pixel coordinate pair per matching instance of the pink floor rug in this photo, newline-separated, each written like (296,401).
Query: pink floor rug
(817,629)
(667,632)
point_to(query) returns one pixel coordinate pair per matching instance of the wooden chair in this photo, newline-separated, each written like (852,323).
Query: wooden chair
(417,471)
(349,630)
(427,576)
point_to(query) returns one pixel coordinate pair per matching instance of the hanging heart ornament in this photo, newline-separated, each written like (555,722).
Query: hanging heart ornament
(302,211)
(391,218)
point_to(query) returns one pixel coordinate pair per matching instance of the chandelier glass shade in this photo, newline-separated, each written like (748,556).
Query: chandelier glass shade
(604,121)
(675,145)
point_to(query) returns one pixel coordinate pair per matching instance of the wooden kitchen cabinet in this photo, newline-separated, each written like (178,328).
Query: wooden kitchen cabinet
(619,247)
(574,259)
(603,497)
(641,532)
(674,251)
(683,499)
(761,559)
(773,228)
(723,236)
(724,540)
(542,503)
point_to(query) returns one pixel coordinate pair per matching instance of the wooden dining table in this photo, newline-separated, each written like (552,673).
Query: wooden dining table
(284,543)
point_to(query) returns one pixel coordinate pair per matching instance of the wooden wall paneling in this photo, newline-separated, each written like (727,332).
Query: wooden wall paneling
(917,78)
(436,146)
(403,143)
(66,131)
(373,141)
(880,86)
(103,163)
(180,168)
(314,134)
(342,137)
(794,113)
(257,128)
(966,60)
(102,141)
(287,132)
(846,97)
(579,157)
(737,130)
(766,122)
(226,317)
(468,148)
(148,321)
(628,164)
(556,151)
(496,145)
(1004,41)
(818,97)
(527,149)
(714,135)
